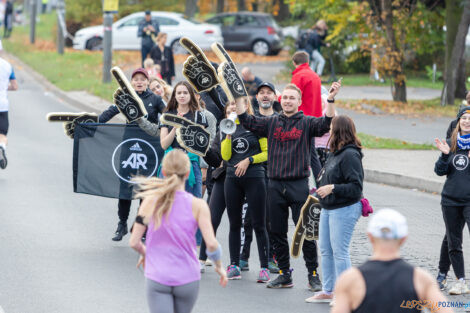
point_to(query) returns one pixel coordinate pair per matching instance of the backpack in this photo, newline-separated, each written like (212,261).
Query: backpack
(302,42)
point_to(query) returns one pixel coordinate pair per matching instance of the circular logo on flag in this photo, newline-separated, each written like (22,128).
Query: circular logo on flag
(134,157)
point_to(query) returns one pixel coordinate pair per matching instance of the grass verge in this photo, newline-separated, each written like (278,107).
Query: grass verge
(372,142)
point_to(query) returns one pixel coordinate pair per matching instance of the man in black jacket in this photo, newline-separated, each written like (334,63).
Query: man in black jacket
(148,30)
(289,135)
(154,106)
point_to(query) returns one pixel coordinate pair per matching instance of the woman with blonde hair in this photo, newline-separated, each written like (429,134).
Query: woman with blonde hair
(160,88)
(170,216)
(163,55)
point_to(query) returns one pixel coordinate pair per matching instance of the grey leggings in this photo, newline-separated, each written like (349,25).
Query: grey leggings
(168,299)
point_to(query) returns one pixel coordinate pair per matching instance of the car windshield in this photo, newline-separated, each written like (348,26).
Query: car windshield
(192,20)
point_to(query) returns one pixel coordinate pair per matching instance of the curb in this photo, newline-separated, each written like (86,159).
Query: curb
(408,182)
(372,176)
(51,87)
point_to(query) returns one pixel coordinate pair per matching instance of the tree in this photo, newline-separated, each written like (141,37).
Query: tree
(457,57)
(220,6)
(190,8)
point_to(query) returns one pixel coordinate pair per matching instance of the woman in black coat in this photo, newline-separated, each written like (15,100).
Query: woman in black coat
(163,56)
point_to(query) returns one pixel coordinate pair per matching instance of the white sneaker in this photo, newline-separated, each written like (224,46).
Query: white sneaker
(208,262)
(459,288)
(202,266)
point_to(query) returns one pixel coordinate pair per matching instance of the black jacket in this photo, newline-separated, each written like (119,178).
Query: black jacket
(146,39)
(153,103)
(165,60)
(343,169)
(214,159)
(289,140)
(456,191)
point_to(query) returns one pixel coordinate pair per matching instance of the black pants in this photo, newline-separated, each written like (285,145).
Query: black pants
(124,207)
(444,259)
(248,228)
(145,50)
(217,207)
(314,161)
(455,218)
(283,194)
(254,189)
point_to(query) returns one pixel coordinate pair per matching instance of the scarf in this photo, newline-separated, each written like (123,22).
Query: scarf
(463,141)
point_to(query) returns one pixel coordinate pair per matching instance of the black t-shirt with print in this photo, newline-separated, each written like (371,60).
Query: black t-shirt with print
(196,117)
(245,144)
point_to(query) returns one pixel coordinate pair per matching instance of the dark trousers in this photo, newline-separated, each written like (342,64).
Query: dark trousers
(444,259)
(455,218)
(254,189)
(124,207)
(217,208)
(145,50)
(314,161)
(248,228)
(283,194)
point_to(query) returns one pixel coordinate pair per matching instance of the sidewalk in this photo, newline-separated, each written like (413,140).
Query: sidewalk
(402,168)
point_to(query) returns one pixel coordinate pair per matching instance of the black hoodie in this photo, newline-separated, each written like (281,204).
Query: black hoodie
(153,103)
(289,141)
(343,168)
(456,191)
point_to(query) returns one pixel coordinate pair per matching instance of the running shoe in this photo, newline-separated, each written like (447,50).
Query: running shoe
(320,297)
(282,281)
(459,288)
(3,158)
(263,276)
(272,267)
(244,265)
(314,282)
(442,281)
(202,266)
(233,272)
(208,262)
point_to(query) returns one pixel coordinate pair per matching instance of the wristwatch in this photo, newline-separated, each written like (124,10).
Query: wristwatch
(330,101)
(251,160)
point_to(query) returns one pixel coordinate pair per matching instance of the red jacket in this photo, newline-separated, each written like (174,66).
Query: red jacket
(310,84)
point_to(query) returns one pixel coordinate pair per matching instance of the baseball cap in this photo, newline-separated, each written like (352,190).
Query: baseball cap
(148,12)
(388,224)
(141,71)
(266,84)
(463,110)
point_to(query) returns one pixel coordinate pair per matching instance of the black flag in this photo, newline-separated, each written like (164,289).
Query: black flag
(107,156)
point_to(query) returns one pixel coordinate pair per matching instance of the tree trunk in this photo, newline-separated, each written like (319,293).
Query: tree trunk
(191,8)
(461,87)
(457,54)
(395,55)
(220,6)
(241,5)
(284,12)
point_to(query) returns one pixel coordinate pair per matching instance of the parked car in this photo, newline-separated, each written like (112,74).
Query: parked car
(125,32)
(249,31)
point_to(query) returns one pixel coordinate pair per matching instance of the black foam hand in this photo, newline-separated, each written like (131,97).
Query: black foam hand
(128,105)
(194,138)
(200,74)
(197,68)
(69,127)
(235,86)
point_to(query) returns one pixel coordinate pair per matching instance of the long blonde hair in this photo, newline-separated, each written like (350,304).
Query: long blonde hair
(175,166)
(166,88)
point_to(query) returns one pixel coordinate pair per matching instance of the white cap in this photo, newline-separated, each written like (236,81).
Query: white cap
(388,224)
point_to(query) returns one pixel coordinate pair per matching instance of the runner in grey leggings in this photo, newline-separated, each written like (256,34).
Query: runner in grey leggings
(167,299)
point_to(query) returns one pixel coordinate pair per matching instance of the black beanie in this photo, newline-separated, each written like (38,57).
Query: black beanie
(463,110)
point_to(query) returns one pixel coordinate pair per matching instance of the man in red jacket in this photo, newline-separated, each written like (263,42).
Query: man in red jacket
(309,84)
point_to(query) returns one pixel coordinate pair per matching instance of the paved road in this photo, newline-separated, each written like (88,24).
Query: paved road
(56,254)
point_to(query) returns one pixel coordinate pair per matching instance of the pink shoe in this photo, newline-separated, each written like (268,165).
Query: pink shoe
(320,297)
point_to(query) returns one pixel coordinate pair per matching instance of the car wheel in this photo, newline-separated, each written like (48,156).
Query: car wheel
(95,44)
(260,47)
(177,48)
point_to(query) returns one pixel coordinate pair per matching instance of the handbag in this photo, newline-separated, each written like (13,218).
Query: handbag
(366,207)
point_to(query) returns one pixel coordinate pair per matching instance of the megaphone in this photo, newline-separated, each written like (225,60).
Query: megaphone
(227,125)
